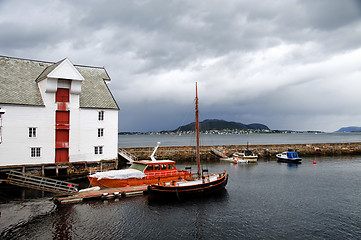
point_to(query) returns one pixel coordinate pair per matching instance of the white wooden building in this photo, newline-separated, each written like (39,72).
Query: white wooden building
(55,112)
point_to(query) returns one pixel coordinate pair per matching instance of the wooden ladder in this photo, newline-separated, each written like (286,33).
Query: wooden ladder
(41,183)
(127,155)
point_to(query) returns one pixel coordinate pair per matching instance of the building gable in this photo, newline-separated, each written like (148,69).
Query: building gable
(65,70)
(19,82)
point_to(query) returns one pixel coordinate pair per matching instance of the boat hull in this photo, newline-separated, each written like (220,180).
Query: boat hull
(289,157)
(148,180)
(174,191)
(232,160)
(239,160)
(289,160)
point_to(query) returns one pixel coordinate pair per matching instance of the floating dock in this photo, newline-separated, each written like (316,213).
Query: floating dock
(103,193)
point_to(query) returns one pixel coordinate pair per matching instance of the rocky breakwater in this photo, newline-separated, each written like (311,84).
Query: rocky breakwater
(268,152)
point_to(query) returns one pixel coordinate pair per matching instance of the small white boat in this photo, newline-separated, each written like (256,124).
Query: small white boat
(235,160)
(242,156)
(246,155)
(289,156)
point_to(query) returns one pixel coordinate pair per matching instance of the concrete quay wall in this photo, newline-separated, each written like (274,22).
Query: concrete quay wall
(187,153)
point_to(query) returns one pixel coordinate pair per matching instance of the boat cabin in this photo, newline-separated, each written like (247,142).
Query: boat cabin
(292,154)
(155,168)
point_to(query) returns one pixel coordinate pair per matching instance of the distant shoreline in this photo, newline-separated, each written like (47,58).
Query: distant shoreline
(150,140)
(224,132)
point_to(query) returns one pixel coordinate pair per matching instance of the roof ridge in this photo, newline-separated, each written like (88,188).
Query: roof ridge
(51,62)
(26,59)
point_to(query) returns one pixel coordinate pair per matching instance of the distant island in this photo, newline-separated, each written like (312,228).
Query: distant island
(349,129)
(216,126)
(221,125)
(213,126)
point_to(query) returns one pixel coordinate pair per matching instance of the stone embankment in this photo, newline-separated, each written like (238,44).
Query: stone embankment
(187,153)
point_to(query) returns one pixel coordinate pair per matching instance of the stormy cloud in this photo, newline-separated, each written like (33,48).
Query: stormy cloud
(286,64)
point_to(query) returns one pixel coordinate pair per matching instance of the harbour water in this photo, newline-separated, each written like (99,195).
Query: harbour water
(125,141)
(267,200)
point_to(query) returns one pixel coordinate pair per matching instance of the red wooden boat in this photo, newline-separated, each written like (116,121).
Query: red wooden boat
(198,184)
(143,172)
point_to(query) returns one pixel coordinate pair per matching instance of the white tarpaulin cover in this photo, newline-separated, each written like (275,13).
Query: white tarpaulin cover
(119,174)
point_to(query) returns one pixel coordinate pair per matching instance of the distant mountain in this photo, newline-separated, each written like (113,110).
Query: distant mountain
(215,124)
(349,129)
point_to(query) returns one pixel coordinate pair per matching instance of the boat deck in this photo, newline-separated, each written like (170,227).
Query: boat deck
(103,193)
(211,178)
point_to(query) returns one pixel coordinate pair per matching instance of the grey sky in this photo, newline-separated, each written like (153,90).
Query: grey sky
(287,64)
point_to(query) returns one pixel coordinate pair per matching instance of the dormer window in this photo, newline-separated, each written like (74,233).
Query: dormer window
(101,115)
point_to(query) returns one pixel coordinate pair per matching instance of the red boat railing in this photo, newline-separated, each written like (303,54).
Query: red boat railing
(166,173)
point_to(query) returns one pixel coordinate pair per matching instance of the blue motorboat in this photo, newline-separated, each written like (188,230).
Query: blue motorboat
(289,156)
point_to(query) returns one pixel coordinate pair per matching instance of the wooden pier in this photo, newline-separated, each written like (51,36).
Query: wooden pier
(61,169)
(104,193)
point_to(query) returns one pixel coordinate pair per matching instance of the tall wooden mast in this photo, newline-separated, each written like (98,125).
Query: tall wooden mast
(197,130)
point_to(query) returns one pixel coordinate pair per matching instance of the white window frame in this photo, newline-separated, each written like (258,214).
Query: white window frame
(32,132)
(35,152)
(98,150)
(100,132)
(101,115)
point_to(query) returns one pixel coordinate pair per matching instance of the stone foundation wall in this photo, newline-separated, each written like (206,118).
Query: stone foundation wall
(187,153)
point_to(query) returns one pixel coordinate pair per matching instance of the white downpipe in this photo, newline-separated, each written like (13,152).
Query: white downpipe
(155,149)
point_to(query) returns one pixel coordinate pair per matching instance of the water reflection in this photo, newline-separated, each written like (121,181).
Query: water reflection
(215,197)
(292,165)
(63,223)
(289,165)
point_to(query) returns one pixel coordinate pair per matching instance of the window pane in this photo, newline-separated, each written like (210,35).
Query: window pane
(32,132)
(100,150)
(38,152)
(100,132)
(35,152)
(101,115)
